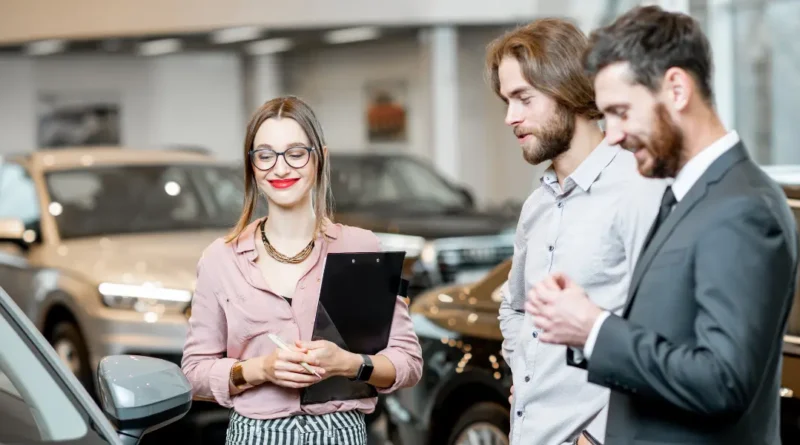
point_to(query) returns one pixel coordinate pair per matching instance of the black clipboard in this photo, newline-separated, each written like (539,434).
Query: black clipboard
(357,299)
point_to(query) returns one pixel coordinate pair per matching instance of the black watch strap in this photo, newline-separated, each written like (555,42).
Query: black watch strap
(365,370)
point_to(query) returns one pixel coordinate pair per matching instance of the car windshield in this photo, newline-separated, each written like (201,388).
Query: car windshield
(392,182)
(107,200)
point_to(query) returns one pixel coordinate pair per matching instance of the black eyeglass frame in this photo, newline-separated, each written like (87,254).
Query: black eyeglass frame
(253,154)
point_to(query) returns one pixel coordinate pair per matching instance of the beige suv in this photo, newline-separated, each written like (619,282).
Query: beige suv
(99,246)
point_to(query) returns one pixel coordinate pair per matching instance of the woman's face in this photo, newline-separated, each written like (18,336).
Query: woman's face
(283,164)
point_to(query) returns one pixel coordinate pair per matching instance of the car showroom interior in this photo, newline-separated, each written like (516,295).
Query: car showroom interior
(132,147)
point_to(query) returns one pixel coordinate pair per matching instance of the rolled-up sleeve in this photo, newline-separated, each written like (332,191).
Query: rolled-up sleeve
(403,350)
(206,343)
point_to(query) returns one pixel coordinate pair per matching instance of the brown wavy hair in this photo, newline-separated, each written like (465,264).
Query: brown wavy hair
(289,107)
(550,53)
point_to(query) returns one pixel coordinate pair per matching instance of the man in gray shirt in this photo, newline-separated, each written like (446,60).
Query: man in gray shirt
(589,219)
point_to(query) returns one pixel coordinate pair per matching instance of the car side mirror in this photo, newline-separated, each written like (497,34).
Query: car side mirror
(468,197)
(142,394)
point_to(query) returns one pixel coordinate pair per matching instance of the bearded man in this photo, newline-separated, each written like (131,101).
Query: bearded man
(695,356)
(589,218)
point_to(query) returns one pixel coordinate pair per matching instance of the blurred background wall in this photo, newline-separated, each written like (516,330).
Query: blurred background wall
(190,73)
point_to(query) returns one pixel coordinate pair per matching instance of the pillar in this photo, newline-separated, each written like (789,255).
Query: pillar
(263,80)
(443,41)
(722,35)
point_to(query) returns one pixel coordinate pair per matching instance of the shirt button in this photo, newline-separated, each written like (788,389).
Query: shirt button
(519,413)
(527,378)
(551,248)
(560,204)
(535,334)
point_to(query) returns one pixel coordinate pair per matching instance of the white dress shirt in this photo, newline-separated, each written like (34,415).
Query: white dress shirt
(686,178)
(591,228)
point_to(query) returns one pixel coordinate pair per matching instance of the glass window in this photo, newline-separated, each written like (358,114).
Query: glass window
(767,85)
(18,197)
(35,405)
(150,198)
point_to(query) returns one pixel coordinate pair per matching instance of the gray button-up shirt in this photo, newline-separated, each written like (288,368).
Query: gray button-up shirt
(592,229)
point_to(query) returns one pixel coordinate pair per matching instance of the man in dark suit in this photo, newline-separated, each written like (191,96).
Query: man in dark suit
(695,356)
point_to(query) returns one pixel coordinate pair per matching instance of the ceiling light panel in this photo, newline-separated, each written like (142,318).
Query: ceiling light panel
(349,35)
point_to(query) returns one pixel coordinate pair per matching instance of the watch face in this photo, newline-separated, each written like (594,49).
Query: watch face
(366,372)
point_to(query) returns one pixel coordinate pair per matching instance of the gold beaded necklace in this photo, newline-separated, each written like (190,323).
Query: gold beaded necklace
(299,258)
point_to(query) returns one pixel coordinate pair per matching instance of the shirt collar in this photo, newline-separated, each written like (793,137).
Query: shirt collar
(245,242)
(694,169)
(587,172)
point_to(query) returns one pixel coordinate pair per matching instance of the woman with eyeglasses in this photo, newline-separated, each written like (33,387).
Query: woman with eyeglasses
(264,278)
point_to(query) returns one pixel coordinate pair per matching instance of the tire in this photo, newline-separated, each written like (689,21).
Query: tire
(70,347)
(485,423)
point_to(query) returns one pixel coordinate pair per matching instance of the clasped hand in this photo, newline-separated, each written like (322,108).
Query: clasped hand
(561,309)
(283,368)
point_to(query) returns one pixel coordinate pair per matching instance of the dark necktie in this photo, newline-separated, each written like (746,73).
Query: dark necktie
(667,201)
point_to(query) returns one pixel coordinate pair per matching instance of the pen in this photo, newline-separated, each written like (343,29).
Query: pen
(277,340)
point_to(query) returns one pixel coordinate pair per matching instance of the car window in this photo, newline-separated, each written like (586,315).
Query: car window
(35,406)
(391,182)
(18,198)
(108,200)
(424,184)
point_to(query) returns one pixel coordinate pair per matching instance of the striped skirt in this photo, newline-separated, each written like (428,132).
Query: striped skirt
(345,428)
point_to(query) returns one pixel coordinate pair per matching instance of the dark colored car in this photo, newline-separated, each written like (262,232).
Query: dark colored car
(465,385)
(413,207)
(463,394)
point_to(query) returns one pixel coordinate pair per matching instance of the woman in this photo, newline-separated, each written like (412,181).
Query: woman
(264,278)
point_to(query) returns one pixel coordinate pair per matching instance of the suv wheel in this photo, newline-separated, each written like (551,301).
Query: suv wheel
(68,343)
(485,423)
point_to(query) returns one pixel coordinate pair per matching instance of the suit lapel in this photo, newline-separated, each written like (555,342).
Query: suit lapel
(714,173)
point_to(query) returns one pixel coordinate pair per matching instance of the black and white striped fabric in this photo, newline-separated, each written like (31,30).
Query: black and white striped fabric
(345,428)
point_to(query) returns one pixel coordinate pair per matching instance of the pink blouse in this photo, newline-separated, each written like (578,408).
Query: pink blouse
(233,310)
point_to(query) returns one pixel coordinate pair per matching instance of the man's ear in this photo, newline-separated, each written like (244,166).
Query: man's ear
(678,88)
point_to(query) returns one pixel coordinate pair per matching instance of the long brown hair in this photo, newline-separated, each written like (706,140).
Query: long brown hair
(289,107)
(550,53)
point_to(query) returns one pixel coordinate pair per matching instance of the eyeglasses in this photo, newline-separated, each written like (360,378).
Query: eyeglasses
(266,158)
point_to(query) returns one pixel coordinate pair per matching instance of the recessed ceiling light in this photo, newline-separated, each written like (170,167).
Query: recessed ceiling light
(45,47)
(232,35)
(269,46)
(349,35)
(159,47)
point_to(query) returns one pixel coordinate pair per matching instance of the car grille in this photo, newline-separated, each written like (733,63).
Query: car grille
(453,261)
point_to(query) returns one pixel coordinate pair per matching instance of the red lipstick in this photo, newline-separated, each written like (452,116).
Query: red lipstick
(283,183)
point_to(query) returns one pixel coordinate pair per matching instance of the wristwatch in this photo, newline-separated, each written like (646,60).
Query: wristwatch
(237,377)
(365,370)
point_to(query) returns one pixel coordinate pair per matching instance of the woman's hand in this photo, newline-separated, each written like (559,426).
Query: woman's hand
(330,357)
(283,368)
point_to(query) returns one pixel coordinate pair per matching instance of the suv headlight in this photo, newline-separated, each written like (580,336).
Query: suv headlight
(144,298)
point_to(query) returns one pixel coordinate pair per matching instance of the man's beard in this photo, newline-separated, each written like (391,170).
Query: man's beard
(665,145)
(551,140)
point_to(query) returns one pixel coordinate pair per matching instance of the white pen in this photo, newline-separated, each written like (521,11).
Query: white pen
(277,340)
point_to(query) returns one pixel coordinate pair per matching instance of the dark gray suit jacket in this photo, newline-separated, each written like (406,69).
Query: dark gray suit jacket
(696,356)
